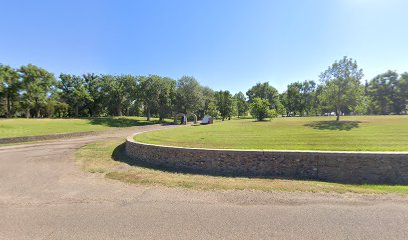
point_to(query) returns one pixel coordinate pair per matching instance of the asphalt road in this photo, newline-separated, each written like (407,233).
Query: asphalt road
(44,195)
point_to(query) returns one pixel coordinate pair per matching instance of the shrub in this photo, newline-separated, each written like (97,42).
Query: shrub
(260,108)
(273,113)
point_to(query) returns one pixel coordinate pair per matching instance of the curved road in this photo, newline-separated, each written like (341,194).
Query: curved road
(44,195)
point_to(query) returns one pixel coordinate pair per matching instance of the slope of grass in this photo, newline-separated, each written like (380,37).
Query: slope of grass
(354,133)
(31,127)
(107,157)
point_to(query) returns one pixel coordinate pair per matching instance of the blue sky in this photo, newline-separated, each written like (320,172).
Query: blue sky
(224,44)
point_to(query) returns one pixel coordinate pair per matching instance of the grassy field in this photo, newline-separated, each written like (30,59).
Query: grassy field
(32,127)
(107,157)
(353,133)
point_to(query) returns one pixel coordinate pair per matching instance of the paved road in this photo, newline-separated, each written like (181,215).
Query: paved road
(43,195)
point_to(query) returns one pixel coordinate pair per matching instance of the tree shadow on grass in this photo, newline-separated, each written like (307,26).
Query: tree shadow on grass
(263,120)
(334,125)
(120,122)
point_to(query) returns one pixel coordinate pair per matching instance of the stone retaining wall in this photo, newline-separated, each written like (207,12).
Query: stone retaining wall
(343,167)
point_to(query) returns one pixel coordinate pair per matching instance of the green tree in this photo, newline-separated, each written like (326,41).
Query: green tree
(382,90)
(61,109)
(95,103)
(363,105)
(283,98)
(308,92)
(119,92)
(260,108)
(264,91)
(166,97)
(213,111)
(73,92)
(36,84)
(189,95)
(224,102)
(242,104)
(294,98)
(342,86)
(402,92)
(207,99)
(9,88)
(148,93)
(318,106)
(299,97)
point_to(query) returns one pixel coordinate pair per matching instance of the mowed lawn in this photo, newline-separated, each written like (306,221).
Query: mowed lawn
(352,133)
(33,127)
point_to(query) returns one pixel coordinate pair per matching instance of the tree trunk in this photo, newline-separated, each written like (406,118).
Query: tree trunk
(337,115)
(119,110)
(27,113)
(38,112)
(148,113)
(76,111)
(8,114)
(90,112)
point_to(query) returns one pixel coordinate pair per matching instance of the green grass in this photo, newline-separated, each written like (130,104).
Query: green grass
(107,158)
(353,133)
(18,127)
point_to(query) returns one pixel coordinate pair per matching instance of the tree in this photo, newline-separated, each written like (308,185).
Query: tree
(9,88)
(166,96)
(402,92)
(148,93)
(264,91)
(189,95)
(36,84)
(283,98)
(260,108)
(60,109)
(73,92)
(308,91)
(207,99)
(363,106)
(294,98)
(341,81)
(224,104)
(242,105)
(95,101)
(382,91)
(119,92)
(213,111)
(319,106)
(299,97)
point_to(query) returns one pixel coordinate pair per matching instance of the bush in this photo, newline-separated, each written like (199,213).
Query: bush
(260,108)
(273,113)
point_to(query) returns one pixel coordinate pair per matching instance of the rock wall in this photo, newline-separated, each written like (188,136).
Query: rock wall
(342,167)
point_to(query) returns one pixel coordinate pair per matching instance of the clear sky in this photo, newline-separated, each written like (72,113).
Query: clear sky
(224,44)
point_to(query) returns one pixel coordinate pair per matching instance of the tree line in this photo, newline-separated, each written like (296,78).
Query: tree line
(31,91)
